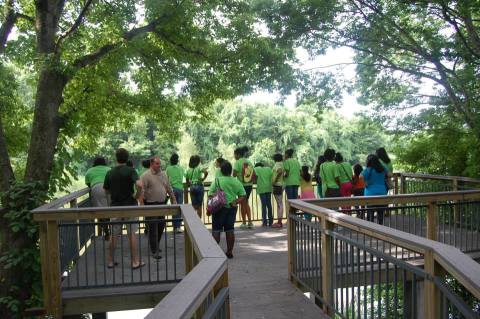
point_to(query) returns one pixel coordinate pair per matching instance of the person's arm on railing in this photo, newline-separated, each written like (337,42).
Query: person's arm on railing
(237,201)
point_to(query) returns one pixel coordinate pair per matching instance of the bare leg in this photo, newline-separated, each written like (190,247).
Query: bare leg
(134,251)
(199,211)
(230,236)
(243,213)
(248,213)
(216,236)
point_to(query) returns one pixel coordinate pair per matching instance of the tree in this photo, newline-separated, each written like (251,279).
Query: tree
(97,63)
(409,54)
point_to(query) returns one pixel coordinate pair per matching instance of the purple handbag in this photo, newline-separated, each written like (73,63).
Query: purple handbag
(217,201)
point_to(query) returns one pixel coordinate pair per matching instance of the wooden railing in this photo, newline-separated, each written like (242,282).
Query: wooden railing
(337,253)
(204,289)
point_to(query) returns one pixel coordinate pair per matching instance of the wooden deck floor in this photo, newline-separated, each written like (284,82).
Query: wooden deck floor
(258,273)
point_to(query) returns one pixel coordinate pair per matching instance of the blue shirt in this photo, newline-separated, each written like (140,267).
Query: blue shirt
(375,182)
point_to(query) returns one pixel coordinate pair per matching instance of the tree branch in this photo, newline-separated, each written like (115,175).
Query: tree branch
(75,25)
(93,58)
(7,24)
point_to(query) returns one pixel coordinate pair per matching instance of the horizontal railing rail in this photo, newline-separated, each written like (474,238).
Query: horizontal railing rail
(352,265)
(203,258)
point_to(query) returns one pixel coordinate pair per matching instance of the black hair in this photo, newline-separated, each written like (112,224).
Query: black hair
(329,154)
(99,161)
(241,151)
(373,161)
(194,161)
(129,163)
(220,160)
(146,163)
(320,161)
(357,169)
(382,154)
(121,155)
(289,152)
(174,159)
(338,157)
(226,168)
(306,174)
(277,157)
(259,164)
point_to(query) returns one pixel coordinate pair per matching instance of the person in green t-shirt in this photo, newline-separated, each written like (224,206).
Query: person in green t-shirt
(330,176)
(264,190)
(292,174)
(218,163)
(94,179)
(346,175)
(224,220)
(244,171)
(277,187)
(175,175)
(195,177)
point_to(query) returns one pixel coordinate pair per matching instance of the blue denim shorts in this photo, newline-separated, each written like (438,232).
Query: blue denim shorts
(224,220)
(196,193)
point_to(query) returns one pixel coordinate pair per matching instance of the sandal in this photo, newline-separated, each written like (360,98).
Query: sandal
(112,265)
(140,265)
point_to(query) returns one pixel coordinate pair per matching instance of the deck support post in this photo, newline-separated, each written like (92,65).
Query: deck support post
(432,210)
(403,184)
(291,247)
(431,292)
(53,261)
(327,259)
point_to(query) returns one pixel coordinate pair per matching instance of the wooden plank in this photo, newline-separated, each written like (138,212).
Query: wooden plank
(431,292)
(291,246)
(71,214)
(432,221)
(189,294)
(114,298)
(54,270)
(44,262)
(440,177)
(200,234)
(65,199)
(188,251)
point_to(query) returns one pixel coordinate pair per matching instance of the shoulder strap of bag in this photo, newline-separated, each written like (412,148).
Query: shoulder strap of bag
(343,167)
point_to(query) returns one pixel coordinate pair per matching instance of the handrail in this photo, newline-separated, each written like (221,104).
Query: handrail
(462,267)
(438,177)
(206,263)
(59,202)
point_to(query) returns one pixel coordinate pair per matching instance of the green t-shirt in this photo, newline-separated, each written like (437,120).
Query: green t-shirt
(264,179)
(292,171)
(328,173)
(142,170)
(194,175)
(120,182)
(388,167)
(231,186)
(277,174)
(345,171)
(238,168)
(175,176)
(96,175)
(218,172)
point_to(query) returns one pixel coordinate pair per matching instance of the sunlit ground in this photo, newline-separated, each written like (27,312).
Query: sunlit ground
(130,314)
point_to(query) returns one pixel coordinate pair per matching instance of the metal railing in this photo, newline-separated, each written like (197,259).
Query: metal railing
(359,269)
(204,263)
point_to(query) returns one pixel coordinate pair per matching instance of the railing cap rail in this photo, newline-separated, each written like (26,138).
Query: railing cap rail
(464,268)
(438,177)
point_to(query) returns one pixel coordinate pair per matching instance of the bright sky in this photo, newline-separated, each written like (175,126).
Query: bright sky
(320,64)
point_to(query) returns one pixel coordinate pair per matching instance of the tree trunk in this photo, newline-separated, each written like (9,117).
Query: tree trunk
(46,124)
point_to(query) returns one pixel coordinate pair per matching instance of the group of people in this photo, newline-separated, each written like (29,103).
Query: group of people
(122,186)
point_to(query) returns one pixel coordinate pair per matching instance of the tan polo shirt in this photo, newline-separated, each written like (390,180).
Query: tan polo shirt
(155,186)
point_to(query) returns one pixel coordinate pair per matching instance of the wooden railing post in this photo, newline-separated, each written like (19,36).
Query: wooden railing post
(395,184)
(456,211)
(432,221)
(403,184)
(188,251)
(73,203)
(431,292)
(327,259)
(291,246)
(223,283)
(55,294)
(44,260)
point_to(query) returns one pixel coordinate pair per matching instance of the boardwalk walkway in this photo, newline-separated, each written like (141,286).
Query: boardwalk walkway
(259,282)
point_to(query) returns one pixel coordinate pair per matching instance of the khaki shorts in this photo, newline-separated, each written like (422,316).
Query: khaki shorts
(131,225)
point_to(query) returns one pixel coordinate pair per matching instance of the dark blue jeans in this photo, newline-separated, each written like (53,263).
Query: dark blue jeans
(177,222)
(291,191)
(266,200)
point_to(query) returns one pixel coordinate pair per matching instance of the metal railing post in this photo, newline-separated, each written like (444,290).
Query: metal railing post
(395,184)
(327,259)
(432,221)
(403,184)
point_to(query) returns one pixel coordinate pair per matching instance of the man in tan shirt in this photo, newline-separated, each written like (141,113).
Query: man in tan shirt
(155,189)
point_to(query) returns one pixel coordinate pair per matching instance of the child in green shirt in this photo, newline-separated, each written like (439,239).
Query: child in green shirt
(264,190)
